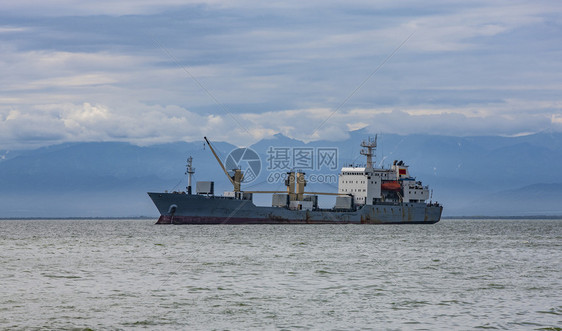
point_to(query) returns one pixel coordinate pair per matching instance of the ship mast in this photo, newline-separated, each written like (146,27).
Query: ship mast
(190,171)
(368,146)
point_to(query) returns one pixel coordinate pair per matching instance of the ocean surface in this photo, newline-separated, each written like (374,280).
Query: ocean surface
(132,274)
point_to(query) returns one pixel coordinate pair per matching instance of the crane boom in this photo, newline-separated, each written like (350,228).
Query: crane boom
(219,161)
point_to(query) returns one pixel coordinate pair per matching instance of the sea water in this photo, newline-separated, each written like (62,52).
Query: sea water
(132,274)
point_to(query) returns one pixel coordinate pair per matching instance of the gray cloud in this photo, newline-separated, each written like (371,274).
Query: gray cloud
(277,67)
(144,125)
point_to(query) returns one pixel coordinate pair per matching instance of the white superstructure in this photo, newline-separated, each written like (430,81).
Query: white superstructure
(369,185)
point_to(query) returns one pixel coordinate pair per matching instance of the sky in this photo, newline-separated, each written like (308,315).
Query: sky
(149,72)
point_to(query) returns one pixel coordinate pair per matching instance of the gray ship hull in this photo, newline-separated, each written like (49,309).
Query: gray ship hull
(176,208)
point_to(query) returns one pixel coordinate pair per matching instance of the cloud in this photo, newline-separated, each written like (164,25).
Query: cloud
(11,29)
(556,120)
(145,124)
(149,72)
(71,7)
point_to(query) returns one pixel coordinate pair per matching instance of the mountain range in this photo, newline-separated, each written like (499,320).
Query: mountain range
(470,176)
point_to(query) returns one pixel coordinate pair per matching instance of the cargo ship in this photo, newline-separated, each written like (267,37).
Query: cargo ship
(366,195)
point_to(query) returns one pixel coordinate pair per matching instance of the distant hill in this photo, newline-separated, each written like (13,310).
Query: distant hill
(536,199)
(469,175)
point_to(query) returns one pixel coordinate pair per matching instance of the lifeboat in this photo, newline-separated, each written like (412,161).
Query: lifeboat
(390,185)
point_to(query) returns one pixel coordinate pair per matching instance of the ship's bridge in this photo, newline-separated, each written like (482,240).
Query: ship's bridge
(369,185)
(362,183)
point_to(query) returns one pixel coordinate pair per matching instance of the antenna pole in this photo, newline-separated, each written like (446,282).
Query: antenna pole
(190,171)
(382,154)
